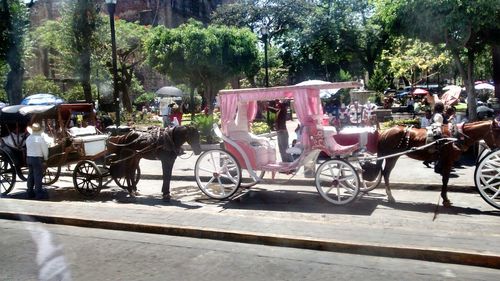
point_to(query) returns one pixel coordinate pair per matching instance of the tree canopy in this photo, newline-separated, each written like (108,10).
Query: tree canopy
(197,56)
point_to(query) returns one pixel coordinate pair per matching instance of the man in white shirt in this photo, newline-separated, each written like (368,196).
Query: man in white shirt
(426,121)
(37,151)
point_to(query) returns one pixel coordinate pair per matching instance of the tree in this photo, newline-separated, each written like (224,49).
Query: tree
(195,55)
(411,59)
(85,21)
(130,54)
(13,28)
(58,35)
(281,18)
(464,26)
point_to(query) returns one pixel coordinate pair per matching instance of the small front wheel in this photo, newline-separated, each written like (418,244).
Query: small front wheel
(123,183)
(217,174)
(87,178)
(246,179)
(337,181)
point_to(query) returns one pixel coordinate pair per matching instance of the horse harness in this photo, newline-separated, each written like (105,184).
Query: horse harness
(157,145)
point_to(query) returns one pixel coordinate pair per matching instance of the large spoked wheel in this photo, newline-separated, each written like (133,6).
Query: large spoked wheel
(87,178)
(217,173)
(247,181)
(337,181)
(367,186)
(487,178)
(51,175)
(122,181)
(369,182)
(7,174)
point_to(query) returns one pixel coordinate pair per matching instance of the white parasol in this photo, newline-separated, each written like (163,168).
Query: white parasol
(169,91)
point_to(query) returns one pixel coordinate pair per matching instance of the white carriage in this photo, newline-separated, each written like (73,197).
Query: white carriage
(246,157)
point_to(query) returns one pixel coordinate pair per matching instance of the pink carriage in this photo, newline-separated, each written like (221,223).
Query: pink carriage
(246,157)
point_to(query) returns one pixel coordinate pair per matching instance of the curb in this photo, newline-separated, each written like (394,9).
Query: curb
(415,253)
(307,182)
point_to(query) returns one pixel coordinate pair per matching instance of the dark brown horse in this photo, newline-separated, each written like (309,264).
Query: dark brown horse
(398,139)
(156,144)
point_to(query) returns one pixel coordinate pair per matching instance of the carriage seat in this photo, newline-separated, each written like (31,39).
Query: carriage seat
(88,141)
(262,148)
(85,131)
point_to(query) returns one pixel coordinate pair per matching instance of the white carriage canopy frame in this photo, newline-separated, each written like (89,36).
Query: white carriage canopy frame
(307,103)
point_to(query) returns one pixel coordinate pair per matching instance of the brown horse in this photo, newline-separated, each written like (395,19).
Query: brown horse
(156,144)
(398,139)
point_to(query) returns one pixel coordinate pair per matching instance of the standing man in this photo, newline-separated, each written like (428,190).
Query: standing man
(280,109)
(37,150)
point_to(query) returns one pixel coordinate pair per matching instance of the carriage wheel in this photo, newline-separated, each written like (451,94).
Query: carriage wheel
(7,174)
(337,181)
(217,173)
(87,178)
(487,178)
(51,175)
(247,181)
(367,186)
(122,181)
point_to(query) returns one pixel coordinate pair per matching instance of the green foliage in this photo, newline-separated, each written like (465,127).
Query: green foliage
(402,122)
(145,98)
(75,93)
(40,84)
(13,27)
(377,82)
(258,128)
(195,55)
(411,58)
(204,124)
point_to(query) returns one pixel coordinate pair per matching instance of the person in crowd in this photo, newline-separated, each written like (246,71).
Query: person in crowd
(426,120)
(281,108)
(37,151)
(438,117)
(176,115)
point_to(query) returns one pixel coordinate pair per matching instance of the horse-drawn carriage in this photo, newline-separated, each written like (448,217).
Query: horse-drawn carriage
(73,138)
(356,155)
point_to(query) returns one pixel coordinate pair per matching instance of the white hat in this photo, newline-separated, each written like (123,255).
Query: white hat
(35,128)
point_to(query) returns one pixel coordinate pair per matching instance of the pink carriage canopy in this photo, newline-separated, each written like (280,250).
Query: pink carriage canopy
(306,97)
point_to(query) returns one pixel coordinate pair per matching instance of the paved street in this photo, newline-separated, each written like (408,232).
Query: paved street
(291,213)
(100,254)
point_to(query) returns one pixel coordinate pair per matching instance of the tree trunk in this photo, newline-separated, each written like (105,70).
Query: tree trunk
(467,75)
(14,85)
(85,62)
(496,69)
(471,93)
(125,81)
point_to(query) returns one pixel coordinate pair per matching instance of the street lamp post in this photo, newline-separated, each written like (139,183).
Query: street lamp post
(265,34)
(111,10)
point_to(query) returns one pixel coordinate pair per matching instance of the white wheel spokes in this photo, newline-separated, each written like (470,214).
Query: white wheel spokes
(217,174)
(337,182)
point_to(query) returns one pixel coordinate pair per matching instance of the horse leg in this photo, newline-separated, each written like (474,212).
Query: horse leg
(167,165)
(386,172)
(447,166)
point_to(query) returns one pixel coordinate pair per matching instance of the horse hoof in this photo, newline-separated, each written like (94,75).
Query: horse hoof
(166,198)
(447,203)
(391,199)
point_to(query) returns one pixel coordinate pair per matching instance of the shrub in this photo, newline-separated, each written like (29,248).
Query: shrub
(258,128)
(204,124)
(403,122)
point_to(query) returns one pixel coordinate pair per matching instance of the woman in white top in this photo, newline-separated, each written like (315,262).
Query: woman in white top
(438,113)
